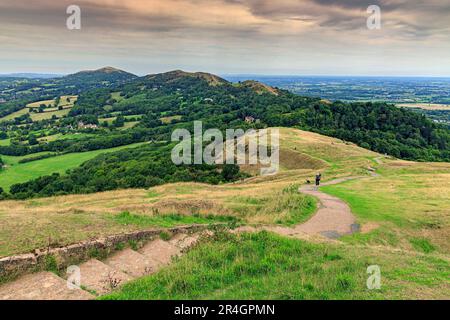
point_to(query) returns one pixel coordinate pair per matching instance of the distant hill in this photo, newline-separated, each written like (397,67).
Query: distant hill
(178,75)
(259,87)
(108,74)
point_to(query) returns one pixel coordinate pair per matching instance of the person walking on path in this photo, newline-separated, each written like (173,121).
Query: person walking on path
(318,178)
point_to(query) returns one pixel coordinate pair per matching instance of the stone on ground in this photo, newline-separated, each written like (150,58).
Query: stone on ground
(184,241)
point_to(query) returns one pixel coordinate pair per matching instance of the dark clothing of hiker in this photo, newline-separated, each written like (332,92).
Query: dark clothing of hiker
(318,177)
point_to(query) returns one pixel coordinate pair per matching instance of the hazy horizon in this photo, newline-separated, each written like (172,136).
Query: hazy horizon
(262,75)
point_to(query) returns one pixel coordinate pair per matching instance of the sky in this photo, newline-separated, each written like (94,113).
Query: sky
(284,37)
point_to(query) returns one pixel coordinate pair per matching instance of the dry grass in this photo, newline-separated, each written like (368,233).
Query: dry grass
(49,114)
(47,103)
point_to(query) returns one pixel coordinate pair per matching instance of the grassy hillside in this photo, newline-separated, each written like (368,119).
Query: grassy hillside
(264,266)
(16,172)
(403,211)
(406,206)
(257,200)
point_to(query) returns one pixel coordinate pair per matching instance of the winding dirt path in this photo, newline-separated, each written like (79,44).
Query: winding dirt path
(332,220)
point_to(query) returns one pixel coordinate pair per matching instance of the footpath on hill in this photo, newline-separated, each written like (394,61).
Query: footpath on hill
(332,220)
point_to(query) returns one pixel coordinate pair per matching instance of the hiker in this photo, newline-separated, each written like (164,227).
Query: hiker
(318,177)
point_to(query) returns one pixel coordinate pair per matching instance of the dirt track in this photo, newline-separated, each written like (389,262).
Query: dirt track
(332,220)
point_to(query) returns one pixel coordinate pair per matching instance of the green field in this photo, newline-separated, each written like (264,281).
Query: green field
(116,96)
(49,114)
(70,136)
(22,172)
(407,206)
(267,266)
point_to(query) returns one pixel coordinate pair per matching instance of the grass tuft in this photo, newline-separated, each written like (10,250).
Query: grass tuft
(422,244)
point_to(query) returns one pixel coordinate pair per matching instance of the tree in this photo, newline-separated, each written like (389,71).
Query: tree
(32,140)
(3,194)
(230,172)
(119,121)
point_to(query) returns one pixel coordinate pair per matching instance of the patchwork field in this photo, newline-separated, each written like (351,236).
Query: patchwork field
(50,110)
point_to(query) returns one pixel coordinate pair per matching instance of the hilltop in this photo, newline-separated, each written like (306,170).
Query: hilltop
(259,87)
(109,74)
(178,75)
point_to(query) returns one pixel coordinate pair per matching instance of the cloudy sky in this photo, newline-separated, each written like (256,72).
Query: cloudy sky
(228,36)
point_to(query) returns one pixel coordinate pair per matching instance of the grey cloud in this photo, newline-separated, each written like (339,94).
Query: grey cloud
(420,17)
(415,17)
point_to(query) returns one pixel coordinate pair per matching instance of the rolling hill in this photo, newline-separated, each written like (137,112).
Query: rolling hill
(94,77)
(401,209)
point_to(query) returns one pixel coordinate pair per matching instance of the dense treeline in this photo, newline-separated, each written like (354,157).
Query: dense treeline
(142,167)
(382,128)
